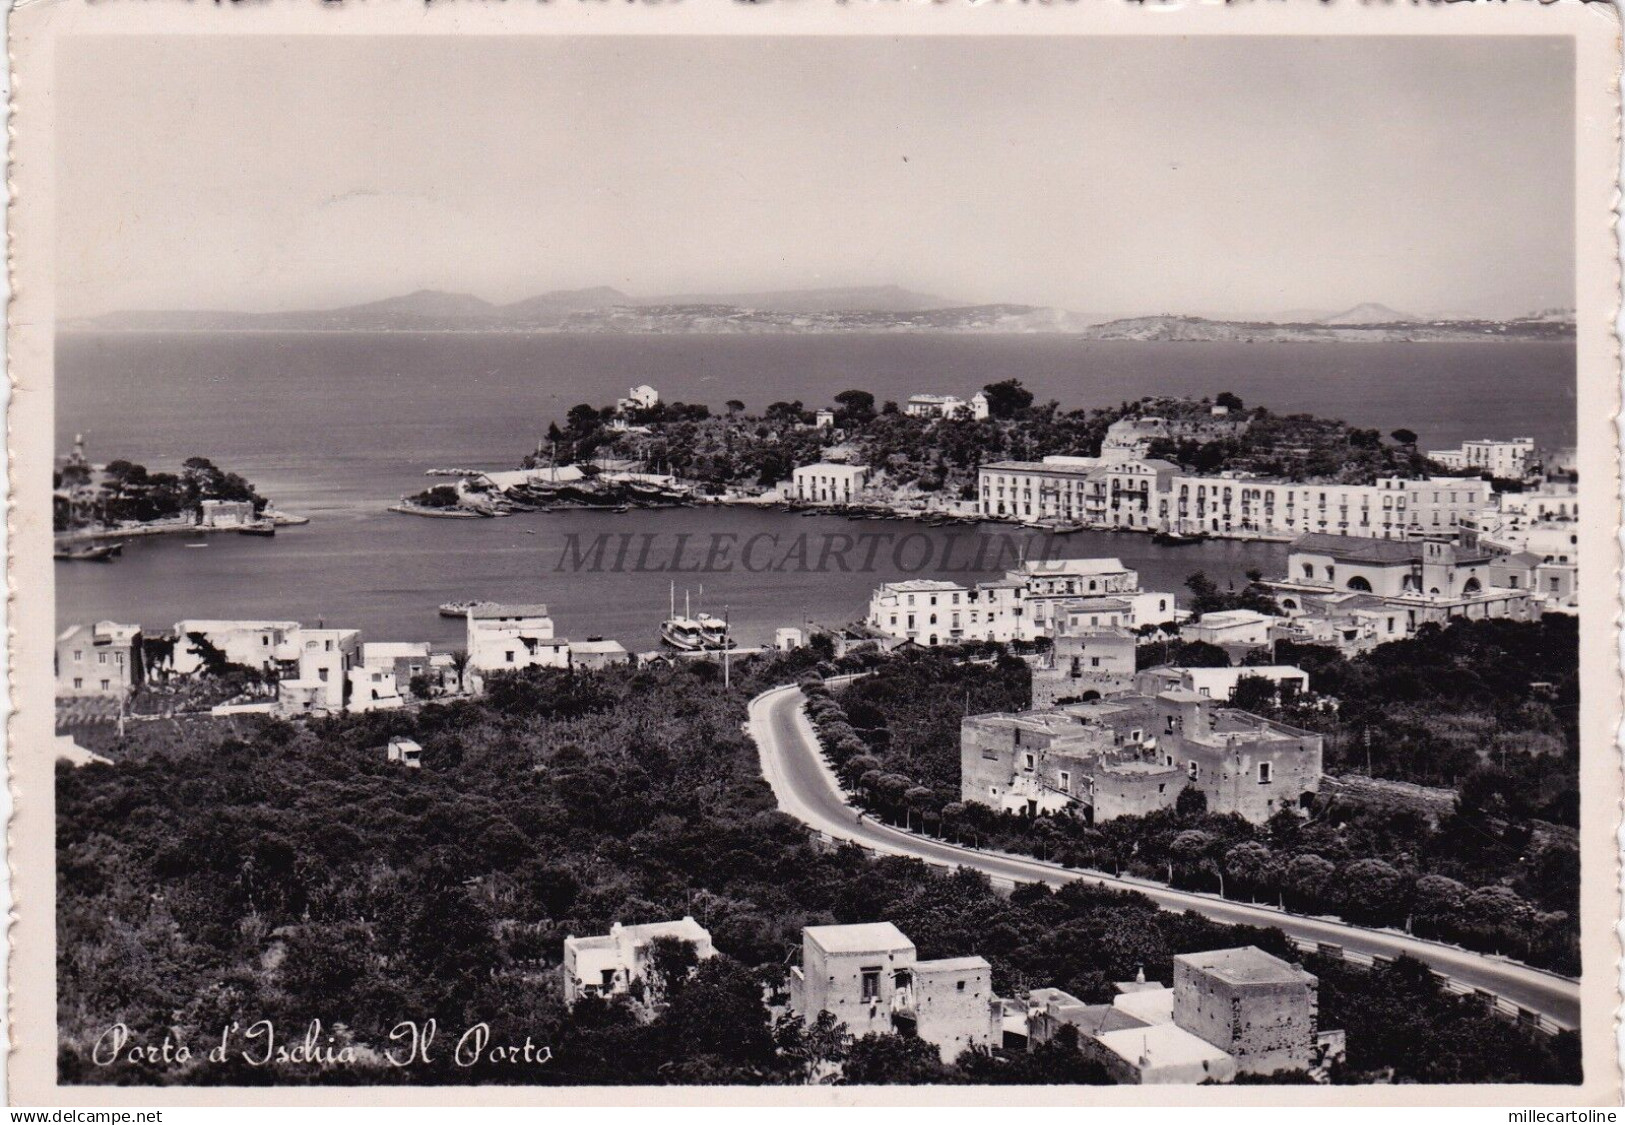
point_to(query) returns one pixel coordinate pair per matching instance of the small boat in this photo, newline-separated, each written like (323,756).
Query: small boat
(99,553)
(1178,538)
(715,631)
(266,529)
(459,609)
(195,545)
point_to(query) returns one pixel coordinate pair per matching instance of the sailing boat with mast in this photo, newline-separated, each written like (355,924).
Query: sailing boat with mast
(682,633)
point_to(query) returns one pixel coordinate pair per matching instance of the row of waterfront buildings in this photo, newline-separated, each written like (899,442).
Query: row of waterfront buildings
(1227,1012)
(1345,591)
(308,670)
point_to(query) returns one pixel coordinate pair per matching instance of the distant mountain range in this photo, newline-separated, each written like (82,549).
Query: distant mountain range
(885,308)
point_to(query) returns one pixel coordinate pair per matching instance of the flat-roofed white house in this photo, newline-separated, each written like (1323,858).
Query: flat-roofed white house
(935,406)
(507,638)
(609,964)
(869,978)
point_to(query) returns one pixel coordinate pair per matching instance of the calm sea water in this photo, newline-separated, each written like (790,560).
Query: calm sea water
(337,427)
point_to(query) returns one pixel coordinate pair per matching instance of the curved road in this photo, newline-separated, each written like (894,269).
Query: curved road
(807,789)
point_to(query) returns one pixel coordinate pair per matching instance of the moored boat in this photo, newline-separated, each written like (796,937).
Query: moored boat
(460,609)
(103,552)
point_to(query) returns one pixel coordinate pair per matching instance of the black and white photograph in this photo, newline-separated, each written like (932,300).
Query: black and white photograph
(825,561)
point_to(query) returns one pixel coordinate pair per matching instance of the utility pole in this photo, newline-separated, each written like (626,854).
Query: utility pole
(727,650)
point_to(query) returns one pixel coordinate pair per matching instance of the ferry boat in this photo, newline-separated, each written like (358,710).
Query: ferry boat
(715,631)
(265,528)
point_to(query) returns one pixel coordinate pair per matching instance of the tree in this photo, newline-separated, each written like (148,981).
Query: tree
(671,961)
(1374,892)
(881,1059)
(1306,880)
(857,405)
(1229,401)
(459,665)
(1404,437)
(1007,398)
(734,406)
(814,1051)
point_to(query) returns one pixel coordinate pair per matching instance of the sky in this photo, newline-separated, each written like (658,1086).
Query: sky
(1123,176)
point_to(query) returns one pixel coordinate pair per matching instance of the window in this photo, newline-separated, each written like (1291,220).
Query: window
(1028,761)
(78,681)
(961,986)
(1193,769)
(1066,782)
(1264,772)
(871,983)
(78,656)
(509,656)
(106,684)
(101,658)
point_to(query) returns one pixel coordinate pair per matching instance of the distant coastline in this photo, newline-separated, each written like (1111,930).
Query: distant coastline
(881,310)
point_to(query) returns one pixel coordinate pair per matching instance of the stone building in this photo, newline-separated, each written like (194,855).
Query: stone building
(101,659)
(868,977)
(1257,1008)
(1084,665)
(1132,754)
(1229,1012)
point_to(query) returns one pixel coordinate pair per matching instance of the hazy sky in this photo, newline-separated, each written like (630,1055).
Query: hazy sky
(1115,176)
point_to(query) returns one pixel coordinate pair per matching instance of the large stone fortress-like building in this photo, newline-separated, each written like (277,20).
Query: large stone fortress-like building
(1258,1009)
(1131,754)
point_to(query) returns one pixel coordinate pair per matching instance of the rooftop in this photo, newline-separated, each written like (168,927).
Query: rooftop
(1066,568)
(1161,1045)
(1244,965)
(494,612)
(921,586)
(1351,548)
(863,937)
(1226,617)
(951,965)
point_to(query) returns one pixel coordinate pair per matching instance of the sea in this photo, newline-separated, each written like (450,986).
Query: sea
(339,426)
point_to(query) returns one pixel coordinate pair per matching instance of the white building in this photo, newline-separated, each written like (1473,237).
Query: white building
(824,419)
(933,612)
(1220,683)
(1508,459)
(506,638)
(608,964)
(979,407)
(1120,490)
(868,977)
(829,482)
(315,669)
(788,638)
(405,752)
(253,644)
(643,397)
(1230,627)
(225,513)
(935,406)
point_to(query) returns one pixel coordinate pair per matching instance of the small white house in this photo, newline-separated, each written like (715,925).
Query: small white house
(406,752)
(787,639)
